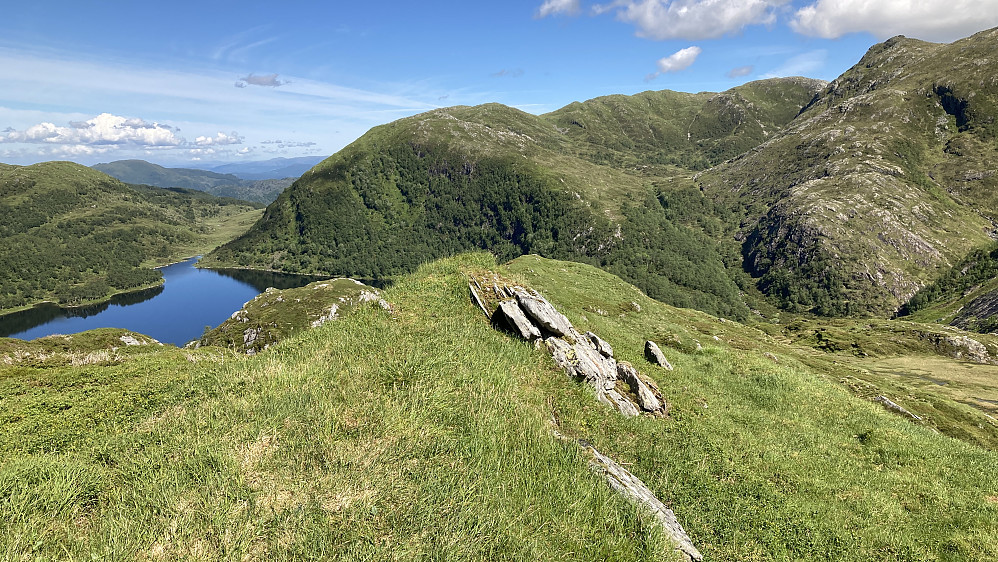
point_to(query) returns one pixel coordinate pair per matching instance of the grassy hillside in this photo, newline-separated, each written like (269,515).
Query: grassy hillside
(422,432)
(881,184)
(72,234)
(492,177)
(140,172)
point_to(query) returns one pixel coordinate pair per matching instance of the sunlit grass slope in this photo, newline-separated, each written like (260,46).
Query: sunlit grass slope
(422,433)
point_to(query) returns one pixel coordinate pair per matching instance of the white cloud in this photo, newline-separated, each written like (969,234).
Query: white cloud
(929,20)
(220,138)
(691,19)
(800,65)
(105,129)
(680,60)
(552,7)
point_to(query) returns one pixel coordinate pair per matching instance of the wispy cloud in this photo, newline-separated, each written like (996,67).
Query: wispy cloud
(691,19)
(800,65)
(269,80)
(219,139)
(508,73)
(740,71)
(76,89)
(553,7)
(680,60)
(931,21)
(288,144)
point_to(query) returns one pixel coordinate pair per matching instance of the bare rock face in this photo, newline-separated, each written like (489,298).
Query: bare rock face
(510,315)
(543,313)
(600,345)
(655,355)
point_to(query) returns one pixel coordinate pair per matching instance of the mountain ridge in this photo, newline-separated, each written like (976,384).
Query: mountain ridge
(463,178)
(141,172)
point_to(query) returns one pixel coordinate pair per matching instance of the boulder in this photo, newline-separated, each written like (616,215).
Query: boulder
(655,355)
(510,315)
(646,398)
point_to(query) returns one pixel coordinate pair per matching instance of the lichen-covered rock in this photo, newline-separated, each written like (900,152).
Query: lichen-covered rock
(655,355)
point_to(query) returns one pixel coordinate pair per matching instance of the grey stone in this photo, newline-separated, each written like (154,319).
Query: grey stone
(542,312)
(510,315)
(623,405)
(601,345)
(891,405)
(646,398)
(632,488)
(655,355)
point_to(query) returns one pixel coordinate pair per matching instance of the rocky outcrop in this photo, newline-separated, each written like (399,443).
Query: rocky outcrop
(958,346)
(274,314)
(526,314)
(512,317)
(584,356)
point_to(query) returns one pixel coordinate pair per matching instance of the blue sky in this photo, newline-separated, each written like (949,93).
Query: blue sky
(198,83)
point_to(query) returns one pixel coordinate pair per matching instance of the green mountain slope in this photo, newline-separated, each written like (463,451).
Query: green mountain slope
(72,234)
(965,296)
(885,180)
(692,131)
(141,172)
(492,177)
(423,432)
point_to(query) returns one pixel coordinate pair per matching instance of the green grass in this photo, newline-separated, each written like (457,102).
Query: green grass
(422,433)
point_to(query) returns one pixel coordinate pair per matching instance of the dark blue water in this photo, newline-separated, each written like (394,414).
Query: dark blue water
(177,312)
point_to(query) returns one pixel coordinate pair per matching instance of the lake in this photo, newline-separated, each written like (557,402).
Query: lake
(175,312)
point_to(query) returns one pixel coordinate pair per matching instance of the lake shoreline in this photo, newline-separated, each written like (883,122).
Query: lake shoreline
(174,310)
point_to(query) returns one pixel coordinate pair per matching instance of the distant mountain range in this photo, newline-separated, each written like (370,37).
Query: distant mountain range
(259,182)
(274,168)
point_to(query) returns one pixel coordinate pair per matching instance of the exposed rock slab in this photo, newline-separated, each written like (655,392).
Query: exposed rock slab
(894,406)
(600,344)
(646,398)
(510,315)
(655,355)
(632,488)
(544,313)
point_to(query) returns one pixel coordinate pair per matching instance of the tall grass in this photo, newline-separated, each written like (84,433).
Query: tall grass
(422,433)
